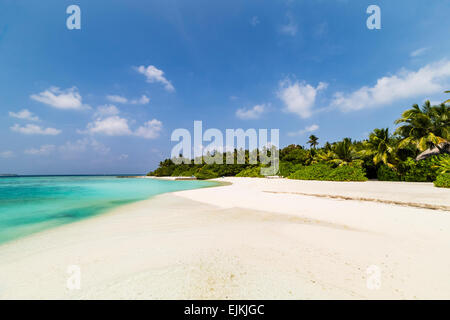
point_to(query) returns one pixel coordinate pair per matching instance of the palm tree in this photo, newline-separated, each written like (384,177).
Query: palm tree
(313,141)
(422,127)
(342,153)
(448,101)
(379,146)
(440,118)
(327,147)
(443,166)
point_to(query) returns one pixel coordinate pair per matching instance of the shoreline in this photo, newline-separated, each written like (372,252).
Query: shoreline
(75,207)
(240,242)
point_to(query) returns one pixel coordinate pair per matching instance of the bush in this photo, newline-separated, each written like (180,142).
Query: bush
(325,172)
(420,171)
(443,180)
(287,168)
(313,172)
(348,173)
(384,173)
(184,171)
(204,174)
(250,172)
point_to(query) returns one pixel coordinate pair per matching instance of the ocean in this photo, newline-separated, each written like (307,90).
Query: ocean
(32,204)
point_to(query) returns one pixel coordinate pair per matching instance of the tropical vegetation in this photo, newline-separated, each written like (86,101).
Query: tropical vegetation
(418,150)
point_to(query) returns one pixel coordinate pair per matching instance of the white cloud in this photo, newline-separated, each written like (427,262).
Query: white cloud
(106,110)
(24,115)
(99,147)
(254,21)
(117,99)
(291,27)
(34,129)
(252,113)
(150,130)
(109,123)
(142,100)
(73,149)
(307,129)
(123,157)
(44,150)
(110,126)
(6,154)
(61,99)
(418,52)
(299,98)
(432,78)
(153,74)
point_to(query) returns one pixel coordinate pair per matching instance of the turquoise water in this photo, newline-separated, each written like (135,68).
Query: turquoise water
(31,204)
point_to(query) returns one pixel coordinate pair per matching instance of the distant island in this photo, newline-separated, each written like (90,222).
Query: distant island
(8,175)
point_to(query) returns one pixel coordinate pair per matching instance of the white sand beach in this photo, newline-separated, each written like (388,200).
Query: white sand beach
(252,239)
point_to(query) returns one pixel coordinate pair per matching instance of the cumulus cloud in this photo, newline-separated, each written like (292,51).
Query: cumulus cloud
(6,154)
(44,150)
(432,78)
(150,130)
(108,122)
(142,100)
(311,128)
(299,98)
(252,113)
(68,99)
(120,99)
(123,157)
(110,126)
(106,110)
(32,129)
(154,74)
(117,99)
(99,147)
(73,149)
(24,115)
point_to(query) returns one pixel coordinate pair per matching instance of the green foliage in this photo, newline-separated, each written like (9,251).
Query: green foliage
(447,101)
(383,155)
(443,180)
(384,173)
(165,168)
(254,172)
(415,171)
(321,171)
(419,171)
(424,127)
(204,174)
(313,141)
(443,166)
(287,168)
(380,147)
(294,154)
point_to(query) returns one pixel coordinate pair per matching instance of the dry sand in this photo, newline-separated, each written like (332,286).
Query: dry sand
(253,239)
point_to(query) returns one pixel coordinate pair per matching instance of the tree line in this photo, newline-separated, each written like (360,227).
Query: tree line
(418,150)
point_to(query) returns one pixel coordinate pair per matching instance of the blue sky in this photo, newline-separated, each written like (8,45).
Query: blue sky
(105,99)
